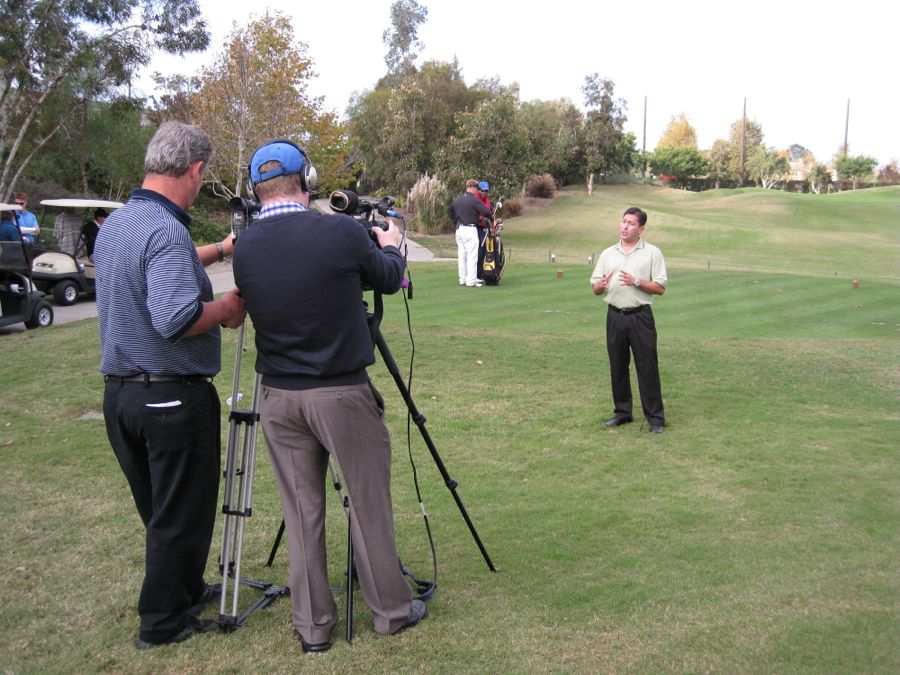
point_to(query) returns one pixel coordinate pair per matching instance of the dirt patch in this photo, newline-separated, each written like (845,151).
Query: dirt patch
(532,204)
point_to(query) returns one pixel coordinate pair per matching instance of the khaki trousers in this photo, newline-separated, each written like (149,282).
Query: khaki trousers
(302,428)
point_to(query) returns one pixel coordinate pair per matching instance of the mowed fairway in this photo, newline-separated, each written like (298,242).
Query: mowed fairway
(759,533)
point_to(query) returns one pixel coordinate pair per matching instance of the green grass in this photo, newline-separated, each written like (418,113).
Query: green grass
(758,534)
(852,234)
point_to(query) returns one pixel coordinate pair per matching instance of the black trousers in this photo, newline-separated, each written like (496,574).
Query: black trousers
(166,437)
(628,334)
(482,233)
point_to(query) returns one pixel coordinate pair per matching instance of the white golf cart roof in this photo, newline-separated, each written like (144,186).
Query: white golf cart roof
(81,203)
(10,207)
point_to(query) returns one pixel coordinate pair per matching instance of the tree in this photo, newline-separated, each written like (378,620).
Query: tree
(100,152)
(725,156)
(491,142)
(605,144)
(855,168)
(554,130)
(718,158)
(767,166)
(257,90)
(397,132)
(888,174)
(403,36)
(678,134)
(55,54)
(681,163)
(752,139)
(172,99)
(819,178)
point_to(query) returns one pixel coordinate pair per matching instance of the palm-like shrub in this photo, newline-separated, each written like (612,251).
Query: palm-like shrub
(427,204)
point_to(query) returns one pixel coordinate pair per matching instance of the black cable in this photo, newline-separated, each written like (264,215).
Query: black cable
(425,589)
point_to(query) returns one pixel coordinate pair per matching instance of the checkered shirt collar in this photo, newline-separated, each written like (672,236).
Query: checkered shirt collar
(280,209)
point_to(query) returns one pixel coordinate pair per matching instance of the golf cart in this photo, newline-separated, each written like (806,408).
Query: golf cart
(19,300)
(67,272)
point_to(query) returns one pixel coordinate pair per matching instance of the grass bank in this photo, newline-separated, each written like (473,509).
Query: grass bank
(759,533)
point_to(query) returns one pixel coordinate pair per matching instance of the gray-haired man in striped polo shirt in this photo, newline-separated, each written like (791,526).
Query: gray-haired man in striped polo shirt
(160,347)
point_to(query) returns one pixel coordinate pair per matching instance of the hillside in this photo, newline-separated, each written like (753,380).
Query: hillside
(745,228)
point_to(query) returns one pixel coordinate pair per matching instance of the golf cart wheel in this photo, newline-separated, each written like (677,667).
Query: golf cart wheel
(42,315)
(65,293)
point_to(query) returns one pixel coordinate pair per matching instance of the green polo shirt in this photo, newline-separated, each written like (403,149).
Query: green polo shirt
(645,262)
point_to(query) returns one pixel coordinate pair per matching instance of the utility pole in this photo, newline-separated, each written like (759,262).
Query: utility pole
(644,149)
(743,145)
(847,129)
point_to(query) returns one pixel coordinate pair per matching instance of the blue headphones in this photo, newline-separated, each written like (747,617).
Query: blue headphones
(293,159)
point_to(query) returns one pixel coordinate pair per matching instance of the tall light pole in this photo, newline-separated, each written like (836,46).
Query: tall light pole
(644,148)
(847,129)
(743,145)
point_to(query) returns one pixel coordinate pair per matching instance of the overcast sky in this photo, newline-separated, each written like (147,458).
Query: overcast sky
(797,62)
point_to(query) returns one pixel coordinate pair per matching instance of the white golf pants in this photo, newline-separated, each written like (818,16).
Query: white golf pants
(467,254)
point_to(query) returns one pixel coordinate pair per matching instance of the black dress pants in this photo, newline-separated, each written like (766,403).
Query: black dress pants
(627,334)
(482,233)
(166,437)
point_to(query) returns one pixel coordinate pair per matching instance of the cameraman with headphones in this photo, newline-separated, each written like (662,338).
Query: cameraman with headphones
(301,274)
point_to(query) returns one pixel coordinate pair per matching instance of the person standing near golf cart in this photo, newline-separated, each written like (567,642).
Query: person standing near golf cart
(160,348)
(628,275)
(28,224)
(90,230)
(9,231)
(464,213)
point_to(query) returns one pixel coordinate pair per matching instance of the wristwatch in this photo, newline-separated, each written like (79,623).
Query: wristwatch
(637,282)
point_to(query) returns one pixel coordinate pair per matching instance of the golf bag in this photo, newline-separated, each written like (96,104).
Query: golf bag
(494,257)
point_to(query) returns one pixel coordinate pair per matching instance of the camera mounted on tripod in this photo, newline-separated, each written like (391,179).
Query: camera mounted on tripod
(362,210)
(244,212)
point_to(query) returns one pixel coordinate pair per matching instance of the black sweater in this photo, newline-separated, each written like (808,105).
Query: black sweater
(301,276)
(465,209)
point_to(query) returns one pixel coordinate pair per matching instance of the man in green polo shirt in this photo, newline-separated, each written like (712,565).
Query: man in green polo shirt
(628,275)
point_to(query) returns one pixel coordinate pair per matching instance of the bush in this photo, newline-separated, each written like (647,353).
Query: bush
(540,186)
(511,208)
(427,204)
(208,227)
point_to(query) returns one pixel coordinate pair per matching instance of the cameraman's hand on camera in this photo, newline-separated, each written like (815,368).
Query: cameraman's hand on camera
(389,237)
(233,309)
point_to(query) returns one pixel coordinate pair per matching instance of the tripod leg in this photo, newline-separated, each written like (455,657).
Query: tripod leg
(345,503)
(276,544)
(349,572)
(232,477)
(419,419)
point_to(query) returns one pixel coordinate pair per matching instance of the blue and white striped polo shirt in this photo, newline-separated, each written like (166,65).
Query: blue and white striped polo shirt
(150,286)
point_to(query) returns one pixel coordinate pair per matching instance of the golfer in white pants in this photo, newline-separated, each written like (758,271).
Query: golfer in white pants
(464,212)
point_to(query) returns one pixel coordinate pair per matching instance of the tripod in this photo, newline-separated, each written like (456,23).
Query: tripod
(419,420)
(237,504)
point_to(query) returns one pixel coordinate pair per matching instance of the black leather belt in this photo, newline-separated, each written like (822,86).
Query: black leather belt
(461,225)
(148,378)
(628,310)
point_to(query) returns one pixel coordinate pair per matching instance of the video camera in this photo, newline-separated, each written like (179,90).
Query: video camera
(244,212)
(362,210)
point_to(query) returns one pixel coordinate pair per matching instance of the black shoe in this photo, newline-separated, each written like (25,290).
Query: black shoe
(210,593)
(417,611)
(316,648)
(656,428)
(193,627)
(617,421)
